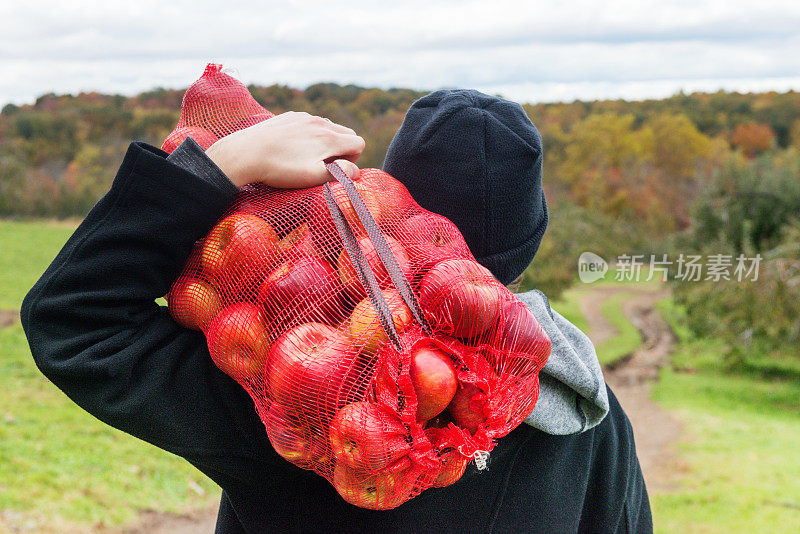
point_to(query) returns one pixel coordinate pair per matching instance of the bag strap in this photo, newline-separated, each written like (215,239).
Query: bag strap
(381,246)
(362,268)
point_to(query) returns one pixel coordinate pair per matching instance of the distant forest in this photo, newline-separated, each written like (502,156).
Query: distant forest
(640,161)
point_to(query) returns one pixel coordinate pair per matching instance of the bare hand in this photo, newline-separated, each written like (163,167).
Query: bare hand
(287,151)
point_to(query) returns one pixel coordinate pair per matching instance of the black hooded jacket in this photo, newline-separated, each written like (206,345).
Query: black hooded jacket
(96,332)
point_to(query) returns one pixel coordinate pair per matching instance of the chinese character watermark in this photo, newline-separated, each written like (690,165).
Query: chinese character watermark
(629,268)
(685,268)
(661,266)
(741,261)
(689,268)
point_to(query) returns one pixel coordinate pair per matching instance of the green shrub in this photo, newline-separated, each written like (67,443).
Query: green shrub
(571,231)
(757,318)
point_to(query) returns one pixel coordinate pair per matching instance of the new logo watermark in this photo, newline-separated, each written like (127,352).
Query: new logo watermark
(591,267)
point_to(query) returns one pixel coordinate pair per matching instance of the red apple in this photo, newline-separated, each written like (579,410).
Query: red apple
(299,242)
(365,437)
(453,466)
(434,378)
(203,137)
(392,196)
(194,263)
(347,272)
(377,491)
(287,436)
(310,369)
(324,235)
(517,330)
(364,326)
(428,239)
(238,340)
(372,200)
(302,290)
(462,296)
(460,410)
(238,251)
(321,454)
(193,303)
(323,229)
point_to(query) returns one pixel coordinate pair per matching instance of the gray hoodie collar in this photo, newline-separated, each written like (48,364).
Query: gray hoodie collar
(572,392)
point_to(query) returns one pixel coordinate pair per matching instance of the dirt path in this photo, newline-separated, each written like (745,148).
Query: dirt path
(198,522)
(8,317)
(655,430)
(599,328)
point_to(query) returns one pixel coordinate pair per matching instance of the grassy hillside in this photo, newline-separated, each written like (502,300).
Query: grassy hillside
(28,248)
(61,469)
(740,455)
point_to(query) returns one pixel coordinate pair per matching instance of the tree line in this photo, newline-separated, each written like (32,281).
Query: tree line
(639,161)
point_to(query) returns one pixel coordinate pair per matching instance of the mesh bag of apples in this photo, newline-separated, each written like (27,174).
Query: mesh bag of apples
(377,351)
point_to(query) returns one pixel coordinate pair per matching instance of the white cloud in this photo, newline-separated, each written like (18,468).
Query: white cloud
(545,50)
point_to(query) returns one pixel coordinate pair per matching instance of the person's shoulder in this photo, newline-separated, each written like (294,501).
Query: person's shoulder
(537,301)
(615,409)
(615,432)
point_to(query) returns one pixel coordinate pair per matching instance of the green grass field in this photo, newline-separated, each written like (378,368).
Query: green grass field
(60,468)
(742,446)
(627,339)
(569,306)
(27,250)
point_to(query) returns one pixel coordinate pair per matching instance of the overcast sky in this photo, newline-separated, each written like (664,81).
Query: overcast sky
(539,50)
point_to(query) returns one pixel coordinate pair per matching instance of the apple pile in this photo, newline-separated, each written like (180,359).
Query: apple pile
(287,316)
(381,415)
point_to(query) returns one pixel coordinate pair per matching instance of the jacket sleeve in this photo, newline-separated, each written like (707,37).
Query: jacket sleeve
(95,330)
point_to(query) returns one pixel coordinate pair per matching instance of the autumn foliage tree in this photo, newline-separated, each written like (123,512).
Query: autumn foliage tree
(752,138)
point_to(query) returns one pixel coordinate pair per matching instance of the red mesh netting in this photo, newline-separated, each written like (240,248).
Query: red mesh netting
(280,287)
(214,106)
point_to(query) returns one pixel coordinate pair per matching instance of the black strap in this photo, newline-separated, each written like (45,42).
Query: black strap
(362,268)
(381,246)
